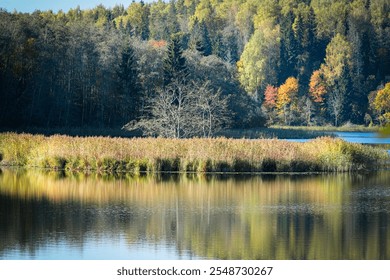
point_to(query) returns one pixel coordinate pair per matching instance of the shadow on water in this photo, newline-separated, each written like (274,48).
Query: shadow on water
(58,215)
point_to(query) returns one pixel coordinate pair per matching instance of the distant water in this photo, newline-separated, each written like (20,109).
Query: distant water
(356,137)
(50,215)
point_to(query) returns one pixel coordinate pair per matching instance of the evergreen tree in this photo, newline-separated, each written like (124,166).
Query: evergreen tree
(174,63)
(145,21)
(344,85)
(218,47)
(129,29)
(200,40)
(288,49)
(128,88)
(172,24)
(359,99)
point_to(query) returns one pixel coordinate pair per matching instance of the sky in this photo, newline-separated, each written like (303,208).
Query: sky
(28,6)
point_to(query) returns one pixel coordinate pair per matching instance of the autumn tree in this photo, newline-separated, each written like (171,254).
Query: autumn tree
(382,104)
(269,103)
(286,102)
(318,92)
(270,96)
(317,87)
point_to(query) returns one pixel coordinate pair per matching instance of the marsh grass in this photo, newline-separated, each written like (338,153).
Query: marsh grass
(140,155)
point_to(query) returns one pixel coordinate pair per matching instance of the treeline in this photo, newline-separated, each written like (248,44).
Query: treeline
(72,70)
(287,61)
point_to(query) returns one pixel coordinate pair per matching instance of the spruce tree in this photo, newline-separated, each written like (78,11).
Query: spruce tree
(200,39)
(218,47)
(288,49)
(128,88)
(174,63)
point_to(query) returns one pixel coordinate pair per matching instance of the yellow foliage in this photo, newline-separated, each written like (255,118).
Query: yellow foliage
(382,99)
(287,93)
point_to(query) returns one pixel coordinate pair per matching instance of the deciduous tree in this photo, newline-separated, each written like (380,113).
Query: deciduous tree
(258,63)
(382,104)
(184,110)
(287,99)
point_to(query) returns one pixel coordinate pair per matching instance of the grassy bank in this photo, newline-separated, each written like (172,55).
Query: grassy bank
(138,155)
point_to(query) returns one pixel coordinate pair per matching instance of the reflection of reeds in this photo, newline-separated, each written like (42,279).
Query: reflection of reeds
(224,217)
(140,155)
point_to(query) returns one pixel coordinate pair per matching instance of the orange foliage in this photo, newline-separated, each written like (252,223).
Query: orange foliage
(317,87)
(270,96)
(158,44)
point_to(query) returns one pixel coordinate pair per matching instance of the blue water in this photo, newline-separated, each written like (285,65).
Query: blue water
(357,137)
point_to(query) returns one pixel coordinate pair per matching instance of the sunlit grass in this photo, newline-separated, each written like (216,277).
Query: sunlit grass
(138,155)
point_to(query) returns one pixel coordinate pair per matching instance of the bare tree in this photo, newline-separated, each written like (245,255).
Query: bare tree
(308,111)
(182,110)
(212,111)
(335,103)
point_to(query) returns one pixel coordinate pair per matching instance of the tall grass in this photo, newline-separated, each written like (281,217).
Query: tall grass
(137,155)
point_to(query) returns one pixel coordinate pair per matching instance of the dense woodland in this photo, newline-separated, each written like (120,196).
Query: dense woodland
(246,62)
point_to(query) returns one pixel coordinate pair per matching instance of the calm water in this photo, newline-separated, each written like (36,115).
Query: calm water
(53,216)
(371,138)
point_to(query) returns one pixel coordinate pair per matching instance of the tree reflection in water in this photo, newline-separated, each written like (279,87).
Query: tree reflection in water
(343,216)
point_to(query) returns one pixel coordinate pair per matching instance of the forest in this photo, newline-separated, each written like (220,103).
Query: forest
(184,68)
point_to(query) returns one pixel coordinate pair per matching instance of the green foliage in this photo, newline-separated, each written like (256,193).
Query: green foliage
(258,63)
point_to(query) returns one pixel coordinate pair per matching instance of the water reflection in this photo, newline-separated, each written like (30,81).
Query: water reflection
(55,215)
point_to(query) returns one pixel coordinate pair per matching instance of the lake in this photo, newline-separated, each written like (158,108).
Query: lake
(371,138)
(52,215)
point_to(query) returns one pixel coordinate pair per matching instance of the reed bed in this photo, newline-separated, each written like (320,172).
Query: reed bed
(138,155)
